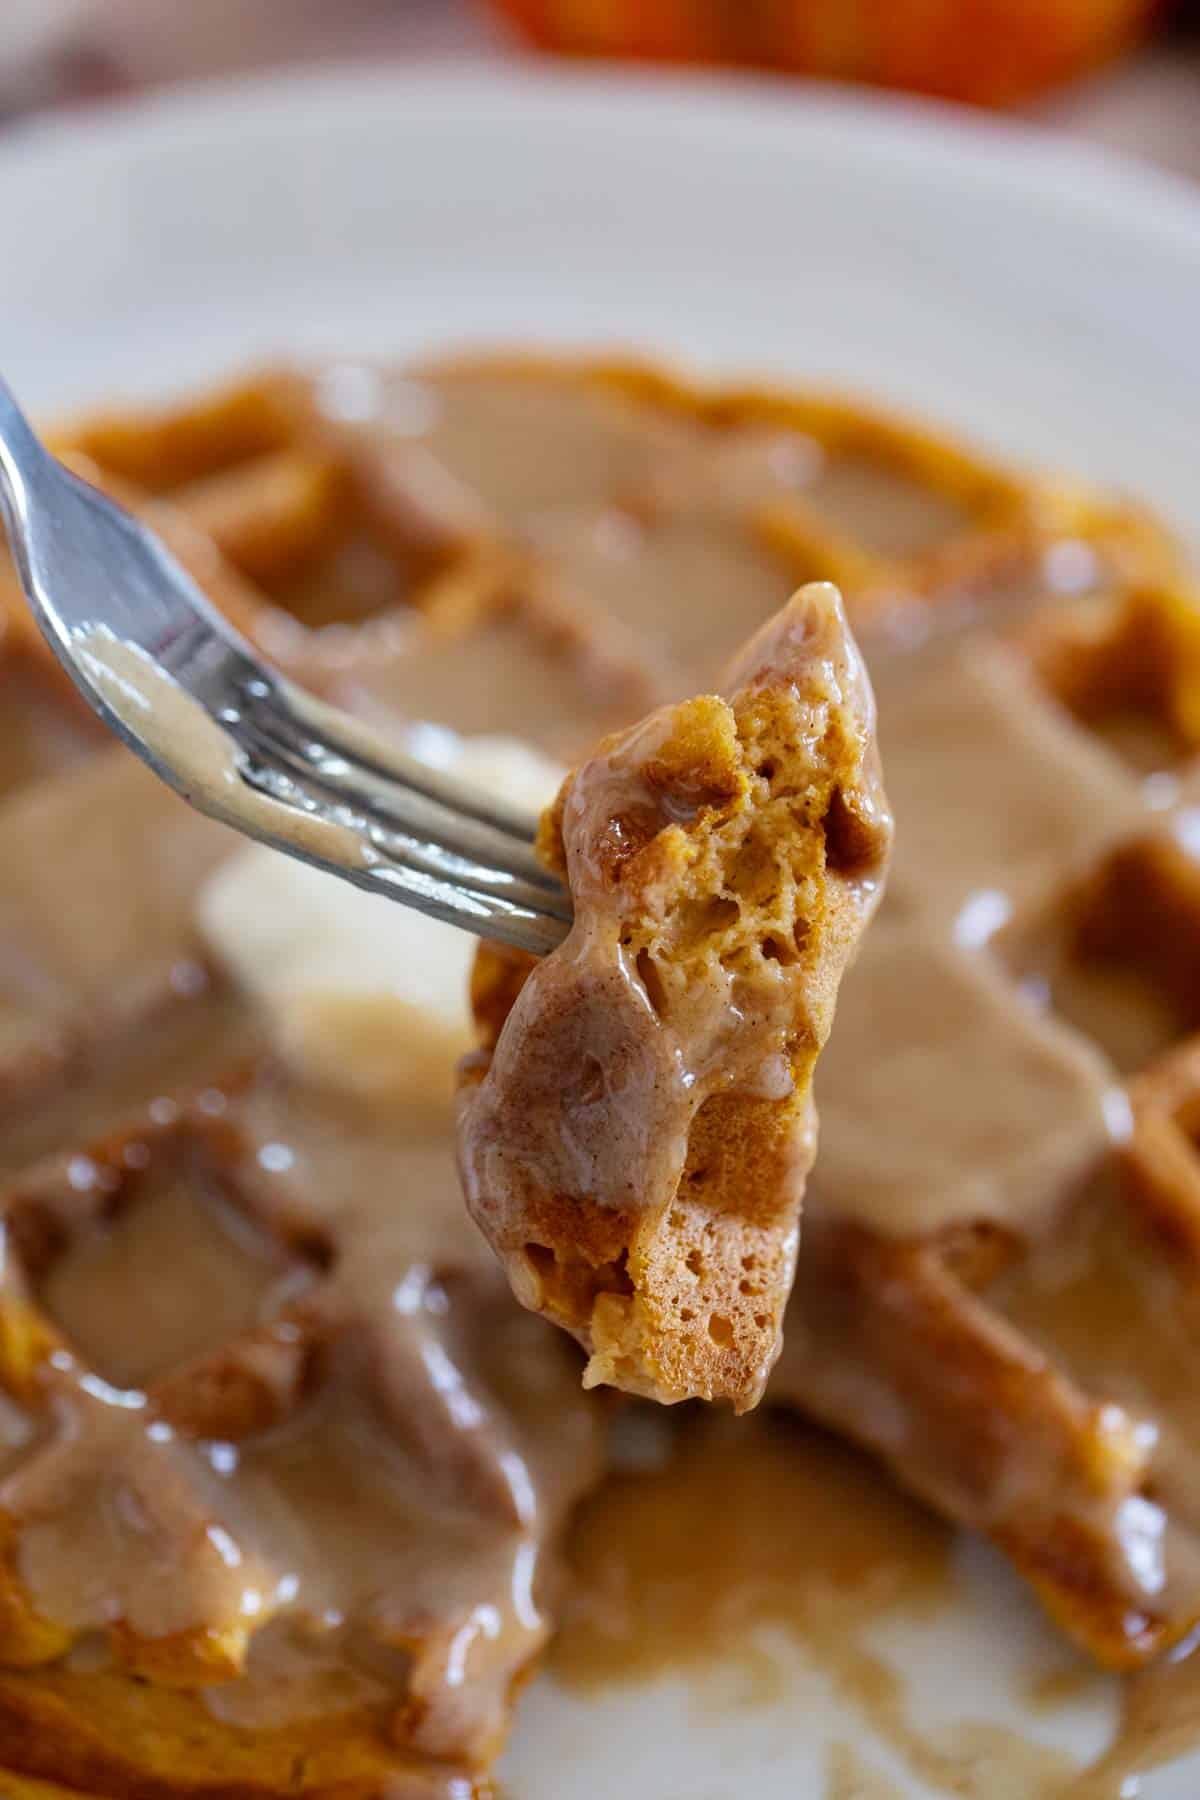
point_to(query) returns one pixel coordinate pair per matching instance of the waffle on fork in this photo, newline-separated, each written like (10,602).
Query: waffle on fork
(636,1142)
(399,574)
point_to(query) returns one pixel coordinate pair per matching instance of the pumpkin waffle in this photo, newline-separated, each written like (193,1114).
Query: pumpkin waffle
(401,536)
(493,544)
(274,1458)
(278,1505)
(636,1137)
(996,1291)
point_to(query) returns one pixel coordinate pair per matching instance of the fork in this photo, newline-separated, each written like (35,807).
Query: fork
(173,679)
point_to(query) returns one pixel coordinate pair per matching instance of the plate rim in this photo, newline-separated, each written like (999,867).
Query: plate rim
(1049,169)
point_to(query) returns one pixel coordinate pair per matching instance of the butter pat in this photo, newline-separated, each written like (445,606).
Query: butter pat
(363,994)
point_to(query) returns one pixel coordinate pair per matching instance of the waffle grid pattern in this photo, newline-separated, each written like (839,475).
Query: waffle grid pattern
(392,542)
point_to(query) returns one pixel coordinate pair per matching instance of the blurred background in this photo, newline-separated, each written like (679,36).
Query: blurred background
(1123,72)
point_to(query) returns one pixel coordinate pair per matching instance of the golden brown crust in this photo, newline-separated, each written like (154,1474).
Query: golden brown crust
(101,1736)
(723,858)
(1135,655)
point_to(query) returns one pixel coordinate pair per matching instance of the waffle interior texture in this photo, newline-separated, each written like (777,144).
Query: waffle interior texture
(637,1141)
(282,1466)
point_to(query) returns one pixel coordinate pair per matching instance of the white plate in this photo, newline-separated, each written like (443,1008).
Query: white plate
(1043,298)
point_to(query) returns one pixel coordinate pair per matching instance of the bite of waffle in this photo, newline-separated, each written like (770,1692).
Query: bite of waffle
(636,1133)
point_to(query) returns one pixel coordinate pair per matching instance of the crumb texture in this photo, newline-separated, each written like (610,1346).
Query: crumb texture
(636,1132)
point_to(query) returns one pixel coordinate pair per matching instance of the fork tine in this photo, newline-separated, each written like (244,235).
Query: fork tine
(511,923)
(359,748)
(407,809)
(398,835)
(514,918)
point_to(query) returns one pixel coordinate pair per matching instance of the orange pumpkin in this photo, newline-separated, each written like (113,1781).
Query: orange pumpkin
(992,52)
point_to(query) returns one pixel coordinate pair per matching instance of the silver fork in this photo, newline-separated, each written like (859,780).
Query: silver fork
(173,679)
